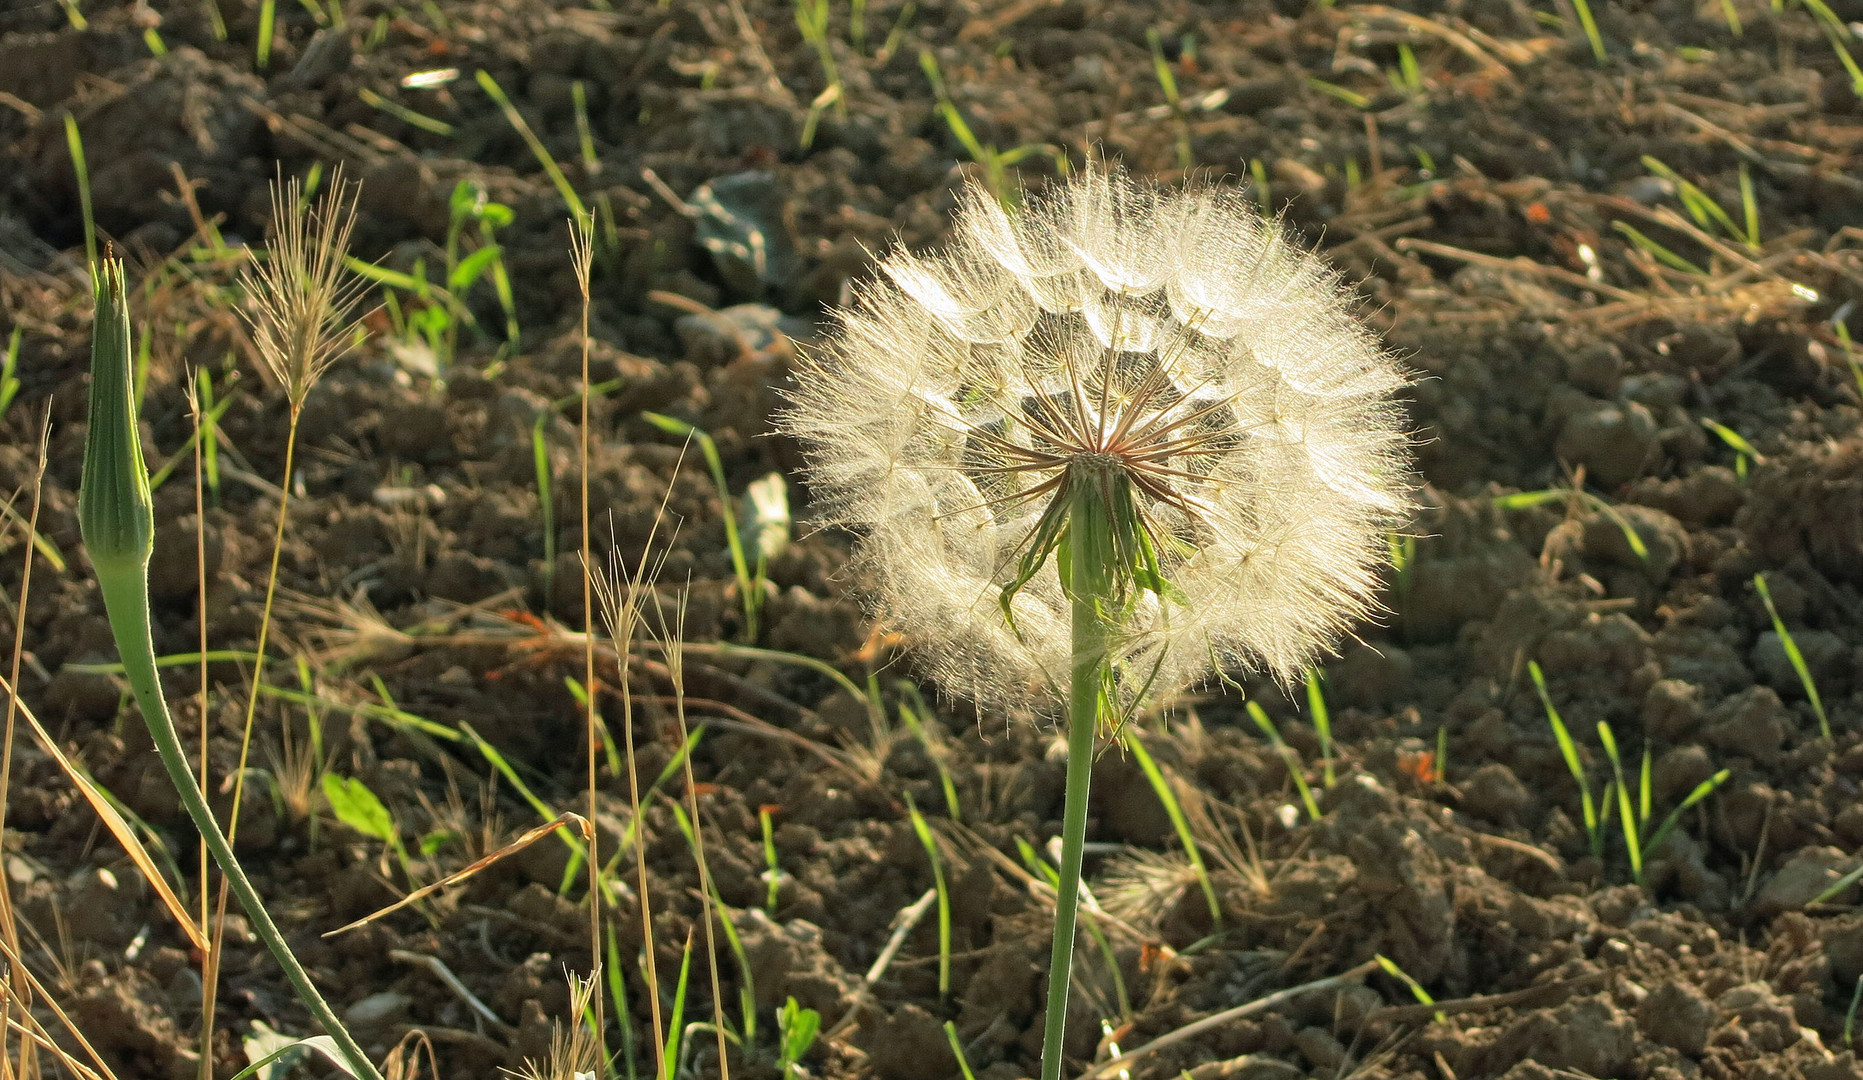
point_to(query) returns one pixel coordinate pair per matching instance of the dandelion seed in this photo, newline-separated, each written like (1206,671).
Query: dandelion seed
(303,297)
(1173,351)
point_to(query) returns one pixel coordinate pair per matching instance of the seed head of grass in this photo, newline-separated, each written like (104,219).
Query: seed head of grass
(1174,345)
(303,298)
(575,1051)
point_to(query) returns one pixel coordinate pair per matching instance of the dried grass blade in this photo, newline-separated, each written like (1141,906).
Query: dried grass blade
(567,817)
(125,837)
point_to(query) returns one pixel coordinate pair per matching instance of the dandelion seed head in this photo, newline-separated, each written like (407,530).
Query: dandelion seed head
(1175,341)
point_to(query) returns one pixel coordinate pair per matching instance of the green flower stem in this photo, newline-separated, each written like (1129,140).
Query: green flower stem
(117,519)
(126,602)
(1089,568)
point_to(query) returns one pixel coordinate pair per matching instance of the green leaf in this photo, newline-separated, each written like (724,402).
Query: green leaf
(799,1027)
(766,515)
(467,200)
(382,275)
(274,1055)
(436,840)
(472,266)
(357,807)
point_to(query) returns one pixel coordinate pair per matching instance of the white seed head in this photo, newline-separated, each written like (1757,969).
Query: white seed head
(1177,339)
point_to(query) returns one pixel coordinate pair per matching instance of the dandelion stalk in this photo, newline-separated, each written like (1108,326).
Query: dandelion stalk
(1098,448)
(1092,593)
(117,518)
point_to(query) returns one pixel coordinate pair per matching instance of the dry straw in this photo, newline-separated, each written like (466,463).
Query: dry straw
(1101,449)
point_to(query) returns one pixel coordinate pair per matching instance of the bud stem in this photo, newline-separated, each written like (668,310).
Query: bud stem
(117,521)
(126,602)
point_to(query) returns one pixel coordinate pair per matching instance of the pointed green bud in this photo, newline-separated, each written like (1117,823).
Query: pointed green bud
(115,513)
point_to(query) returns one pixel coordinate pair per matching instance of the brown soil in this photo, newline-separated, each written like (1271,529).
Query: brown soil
(1476,215)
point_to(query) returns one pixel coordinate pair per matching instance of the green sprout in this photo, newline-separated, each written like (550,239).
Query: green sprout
(812,20)
(262,45)
(1524,499)
(996,163)
(929,842)
(773,873)
(9,372)
(1167,81)
(913,710)
(1743,450)
(1407,77)
(74,143)
(1295,769)
(1322,723)
(1626,812)
(537,149)
(404,114)
(963,1063)
(750,575)
(1390,968)
(1594,825)
(1793,654)
(1591,29)
(796,1030)
(1161,786)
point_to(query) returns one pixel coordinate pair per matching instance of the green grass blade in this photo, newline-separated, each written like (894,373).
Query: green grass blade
(262,46)
(1288,755)
(1791,653)
(1416,988)
(403,113)
(1594,828)
(9,371)
(1322,723)
(1657,251)
(1749,204)
(1626,812)
(74,142)
(1162,787)
(909,713)
(740,566)
(769,859)
(555,171)
(1702,791)
(1591,29)
(617,997)
(963,1063)
(543,809)
(43,544)
(677,1017)
(204,438)
(930,844)
(546,502)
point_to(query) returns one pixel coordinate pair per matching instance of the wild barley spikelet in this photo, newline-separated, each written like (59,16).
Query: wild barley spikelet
(1174,342)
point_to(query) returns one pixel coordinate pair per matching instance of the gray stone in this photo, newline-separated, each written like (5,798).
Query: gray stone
(1803,878)
(1613,442)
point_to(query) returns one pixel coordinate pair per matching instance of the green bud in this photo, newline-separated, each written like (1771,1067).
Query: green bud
(115,513)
